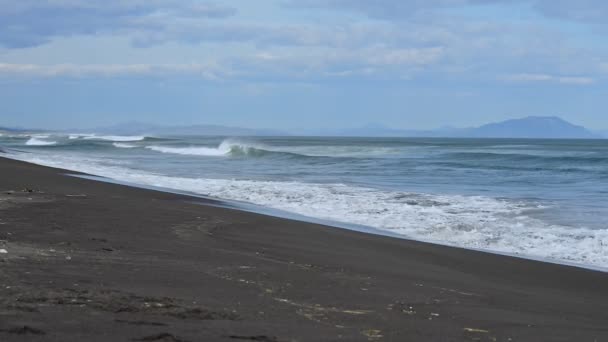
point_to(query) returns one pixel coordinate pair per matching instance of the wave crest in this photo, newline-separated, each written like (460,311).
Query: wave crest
(122,145)
(36,141)
(226,148)
(234,147)
(119,138)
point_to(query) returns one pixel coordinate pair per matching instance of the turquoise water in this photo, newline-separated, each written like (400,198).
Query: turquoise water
(537,198)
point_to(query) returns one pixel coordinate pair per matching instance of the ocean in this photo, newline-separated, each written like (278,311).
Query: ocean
(540,199)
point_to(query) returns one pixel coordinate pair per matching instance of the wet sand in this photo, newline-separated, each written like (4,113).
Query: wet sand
(82,260)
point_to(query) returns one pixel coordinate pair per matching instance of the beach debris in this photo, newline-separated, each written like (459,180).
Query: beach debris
(319,308)
(473,330)
(318,313)
(373,334)
(28,190)
(403,307)
(3,251)
(457,291)
(120,302)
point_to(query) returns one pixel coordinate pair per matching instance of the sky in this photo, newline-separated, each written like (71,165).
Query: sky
(291,64)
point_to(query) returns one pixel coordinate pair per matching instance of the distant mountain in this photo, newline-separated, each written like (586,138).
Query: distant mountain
(137,128)
(529,127)
(532,127)
(13,130)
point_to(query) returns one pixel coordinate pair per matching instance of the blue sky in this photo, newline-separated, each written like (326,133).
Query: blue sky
(292,64)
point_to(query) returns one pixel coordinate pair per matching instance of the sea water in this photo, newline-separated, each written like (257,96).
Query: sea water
(543,199)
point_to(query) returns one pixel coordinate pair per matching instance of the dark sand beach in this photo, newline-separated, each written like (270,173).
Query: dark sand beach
(82,260)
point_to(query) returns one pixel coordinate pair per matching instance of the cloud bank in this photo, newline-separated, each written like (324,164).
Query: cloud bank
(381,39)
(28,23)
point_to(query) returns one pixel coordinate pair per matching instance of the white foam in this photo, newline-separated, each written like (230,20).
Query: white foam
(191,151)
(123,145)
(227,147)
(119,138)
(79,135)
(36,141)
(465,221)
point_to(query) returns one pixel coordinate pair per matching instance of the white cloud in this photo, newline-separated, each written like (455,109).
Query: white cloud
(407,56)
(209,71)
(287,64)
(372,62)
(385,9)
(189,8)
(459,47)
(531,78)
(590,11)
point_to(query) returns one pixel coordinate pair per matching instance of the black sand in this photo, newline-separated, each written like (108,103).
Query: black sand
(90,261)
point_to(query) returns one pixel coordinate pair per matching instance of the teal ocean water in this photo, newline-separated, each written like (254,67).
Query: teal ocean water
(544,199)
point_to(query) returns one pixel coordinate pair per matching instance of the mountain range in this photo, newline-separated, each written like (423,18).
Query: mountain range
(532,127)
(536,127)
(13,129)
(138,128)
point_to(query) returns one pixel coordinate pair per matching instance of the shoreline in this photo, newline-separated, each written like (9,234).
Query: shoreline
(258,209)
(97,261)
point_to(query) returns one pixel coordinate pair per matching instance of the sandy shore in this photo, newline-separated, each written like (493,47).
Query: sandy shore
(88,261)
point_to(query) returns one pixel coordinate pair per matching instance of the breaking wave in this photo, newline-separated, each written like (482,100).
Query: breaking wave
(123,145)
(37,141)
(119,138)
(232,147)
(226,148)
